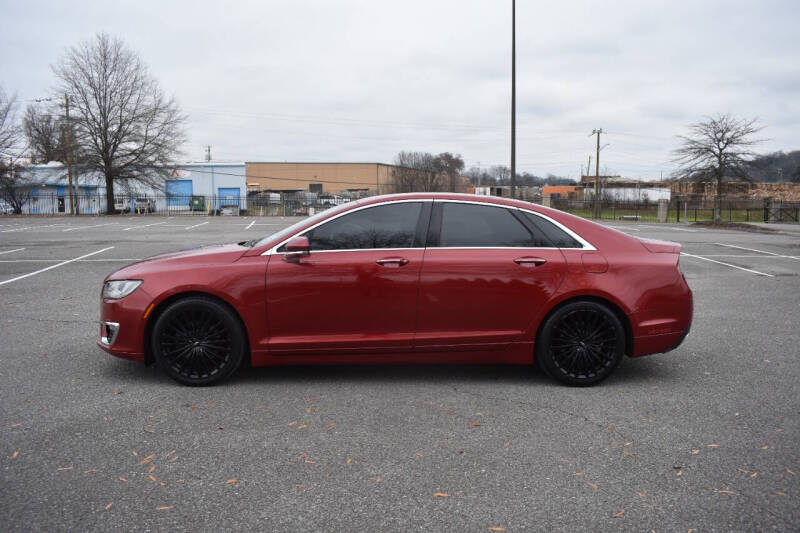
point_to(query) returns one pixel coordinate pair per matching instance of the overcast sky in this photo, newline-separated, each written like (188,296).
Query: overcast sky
(361,80)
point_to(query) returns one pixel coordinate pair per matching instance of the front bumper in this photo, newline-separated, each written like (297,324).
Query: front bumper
(122,325)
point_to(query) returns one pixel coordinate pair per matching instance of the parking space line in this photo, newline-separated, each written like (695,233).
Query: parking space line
(728,265)
(87,227)
(17,229)
(144,226)
(250,225)
(197,225)
(54,266)
(12,251)
(754,250)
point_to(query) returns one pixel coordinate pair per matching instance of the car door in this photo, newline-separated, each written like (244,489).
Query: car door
(486,274)
(356,291)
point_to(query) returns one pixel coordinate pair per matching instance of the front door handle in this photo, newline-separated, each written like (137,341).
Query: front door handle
(398,261)
(535,261)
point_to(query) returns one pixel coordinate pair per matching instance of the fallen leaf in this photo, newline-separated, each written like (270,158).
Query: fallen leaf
(147,459)
(293,423)
(91,471)
(754,474)
(679,473)
(474,424)
(695,452)
(15,425)
(124,480)
(331,426)
(15,454)
(109,506)
(232,481)
(148,430)
(302,426)
(153,478)
(349,460)
(174,459)
(641,494)
(712,445)
(779,493)
(135,453)
(303,455)
(162,484)
(179,481)
(740,469)
(496,528)
(478,414)
(164,508)
(626,452)
(220,427)
(619,514)
(441,495)
(419,454)
(378,479)
(151,469)
(576,474)
(725,491)
(62,468)
(790,472)
(592,485)
(765,447)
(506,444)
(301,486)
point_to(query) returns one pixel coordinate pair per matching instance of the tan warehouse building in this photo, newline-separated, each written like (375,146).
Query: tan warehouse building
(333,178)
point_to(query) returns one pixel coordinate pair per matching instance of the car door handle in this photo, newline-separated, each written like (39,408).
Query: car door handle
(399,261)
(535,261)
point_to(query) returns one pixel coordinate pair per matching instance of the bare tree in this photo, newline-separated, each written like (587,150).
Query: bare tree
(123,123)
(15,187)
(416,171)
(501,173)
(45,134)
(451,167)
(718,148)
(10,131)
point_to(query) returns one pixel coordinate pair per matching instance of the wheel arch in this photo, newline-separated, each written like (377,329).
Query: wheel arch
(612,306)
(166,302)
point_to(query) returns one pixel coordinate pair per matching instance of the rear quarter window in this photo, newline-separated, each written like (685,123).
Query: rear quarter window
(557,237)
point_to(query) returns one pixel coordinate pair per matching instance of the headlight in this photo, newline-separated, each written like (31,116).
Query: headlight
(114,290)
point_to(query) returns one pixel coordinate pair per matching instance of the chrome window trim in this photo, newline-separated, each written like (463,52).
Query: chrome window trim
(585,245)
(274,249)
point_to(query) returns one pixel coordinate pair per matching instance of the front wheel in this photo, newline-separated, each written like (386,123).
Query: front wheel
(581,343)
(198,341)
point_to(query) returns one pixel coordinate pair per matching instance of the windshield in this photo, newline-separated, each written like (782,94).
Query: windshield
(285,232)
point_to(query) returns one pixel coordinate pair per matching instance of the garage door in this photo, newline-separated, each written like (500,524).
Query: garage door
(179,192)
(229,196)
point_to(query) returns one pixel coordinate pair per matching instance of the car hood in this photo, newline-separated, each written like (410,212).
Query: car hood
(214,254)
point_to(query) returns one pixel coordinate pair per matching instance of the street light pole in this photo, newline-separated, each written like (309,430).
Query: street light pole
(513,98)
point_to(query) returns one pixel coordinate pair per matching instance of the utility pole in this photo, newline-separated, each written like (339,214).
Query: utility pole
(73,207)
(589,165)
(513,98)
(208,152)
(597,131)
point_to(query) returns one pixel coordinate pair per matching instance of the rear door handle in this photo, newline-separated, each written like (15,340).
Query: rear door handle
(399,261)
(535,261)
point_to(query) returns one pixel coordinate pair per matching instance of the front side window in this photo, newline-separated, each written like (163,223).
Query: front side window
(383,226)
(471,225)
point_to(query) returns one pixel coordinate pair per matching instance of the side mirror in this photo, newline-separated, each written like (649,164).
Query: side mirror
(296,248)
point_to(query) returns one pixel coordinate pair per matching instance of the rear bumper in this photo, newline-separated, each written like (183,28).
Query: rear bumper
(663,329)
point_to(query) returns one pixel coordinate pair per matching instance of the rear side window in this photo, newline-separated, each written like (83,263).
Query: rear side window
(554,235)
(383,226)
(471,225)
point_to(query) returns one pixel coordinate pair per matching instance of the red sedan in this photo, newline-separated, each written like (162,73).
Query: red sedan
(412,278)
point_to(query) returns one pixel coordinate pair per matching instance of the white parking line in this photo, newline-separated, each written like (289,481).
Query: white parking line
(144,226)
(197,225)
(12,251)
(622,229)
(17,229)
(54,266)
(87,227)
(728,265)
(251,225)
(754,250)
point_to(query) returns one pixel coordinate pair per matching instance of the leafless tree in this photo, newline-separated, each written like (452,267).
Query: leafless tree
(123,123)
(416,171)
(15,186)
(501,174)
(451,167)
(10,131)
(715,149)
(45,133)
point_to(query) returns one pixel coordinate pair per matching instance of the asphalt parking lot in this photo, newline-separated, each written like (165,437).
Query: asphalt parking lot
(704,438)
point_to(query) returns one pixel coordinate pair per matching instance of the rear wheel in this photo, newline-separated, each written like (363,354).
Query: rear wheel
(581,343)
(198,341)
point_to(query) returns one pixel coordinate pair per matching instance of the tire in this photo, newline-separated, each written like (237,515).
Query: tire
(580,344)
(198,341)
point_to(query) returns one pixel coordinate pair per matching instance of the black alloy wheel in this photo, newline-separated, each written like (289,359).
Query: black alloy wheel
(198,341)
(581,343)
